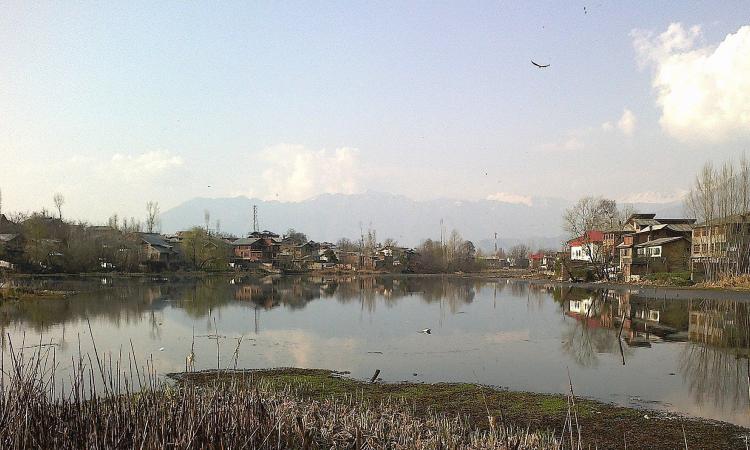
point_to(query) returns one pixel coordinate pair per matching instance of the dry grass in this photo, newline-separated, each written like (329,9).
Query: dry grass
(728,282)
(118,403)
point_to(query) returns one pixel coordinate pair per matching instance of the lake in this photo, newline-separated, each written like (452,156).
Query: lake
(687,355)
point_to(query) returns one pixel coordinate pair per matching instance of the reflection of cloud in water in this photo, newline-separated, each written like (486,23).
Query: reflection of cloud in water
(301,348)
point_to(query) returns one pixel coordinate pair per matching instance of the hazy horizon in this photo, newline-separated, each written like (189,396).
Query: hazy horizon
(117,104)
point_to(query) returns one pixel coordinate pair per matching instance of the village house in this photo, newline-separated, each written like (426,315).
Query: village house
(612,238)
(658,247)
(535,260)
(11,250)
(721,246)
(11,245)
(258,248)
(156,252)
(587,247)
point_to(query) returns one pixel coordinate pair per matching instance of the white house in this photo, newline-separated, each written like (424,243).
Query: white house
(586,247)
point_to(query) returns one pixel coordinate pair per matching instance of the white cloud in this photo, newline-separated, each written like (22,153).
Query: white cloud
(296,173)
(654,197)
(626,123)
(703,92)
(569,143)
(506,197)
(142,165)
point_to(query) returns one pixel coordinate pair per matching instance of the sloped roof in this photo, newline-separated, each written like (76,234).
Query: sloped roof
(245,241)
(677,227)
(592,236)
(7,237)
(155,240)
(736,218)
(657,242)
(645,222)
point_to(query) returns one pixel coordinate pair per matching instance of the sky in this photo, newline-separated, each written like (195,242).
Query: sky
(114,104)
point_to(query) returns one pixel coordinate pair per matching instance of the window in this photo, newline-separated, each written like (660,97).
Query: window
(655,252)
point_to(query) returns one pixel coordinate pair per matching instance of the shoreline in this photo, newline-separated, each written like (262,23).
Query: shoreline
(602,425)
(654,291)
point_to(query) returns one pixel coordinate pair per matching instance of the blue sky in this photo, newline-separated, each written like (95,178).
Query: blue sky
(117,103)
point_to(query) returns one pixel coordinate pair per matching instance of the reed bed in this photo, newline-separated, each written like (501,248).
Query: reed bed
(116,403)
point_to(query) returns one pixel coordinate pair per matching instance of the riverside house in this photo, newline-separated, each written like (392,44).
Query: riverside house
(260,247)
(658,247)
(587,247)
(156,252)
(720,246)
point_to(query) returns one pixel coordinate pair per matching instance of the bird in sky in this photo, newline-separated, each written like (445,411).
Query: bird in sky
(541,66)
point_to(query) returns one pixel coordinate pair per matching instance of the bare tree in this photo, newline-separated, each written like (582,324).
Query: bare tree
(592,214)
(720,201)
(625,212)
(113,222)
(519,251)
(390,242)
(59,202)
(152,216)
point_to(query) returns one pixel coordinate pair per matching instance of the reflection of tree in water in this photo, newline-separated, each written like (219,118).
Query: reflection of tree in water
(368,290)
(590,333)
(584,343)
(715,363)
(133,300)
(122,305)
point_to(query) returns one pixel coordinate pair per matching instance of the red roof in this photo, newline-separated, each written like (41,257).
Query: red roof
(536,256)
(593,236)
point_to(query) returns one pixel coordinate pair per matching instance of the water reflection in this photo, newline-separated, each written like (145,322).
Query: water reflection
(689,356)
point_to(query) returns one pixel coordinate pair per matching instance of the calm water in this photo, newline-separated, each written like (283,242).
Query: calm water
(688,356)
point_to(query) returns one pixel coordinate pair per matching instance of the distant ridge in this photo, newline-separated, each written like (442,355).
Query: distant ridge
(329,217)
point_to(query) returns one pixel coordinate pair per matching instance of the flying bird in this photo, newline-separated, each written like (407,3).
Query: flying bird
(426,331)
(541,66)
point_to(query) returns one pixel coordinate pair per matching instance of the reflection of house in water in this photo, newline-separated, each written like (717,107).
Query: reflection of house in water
(720,324)
(707,327)
(591,311)
(642,320)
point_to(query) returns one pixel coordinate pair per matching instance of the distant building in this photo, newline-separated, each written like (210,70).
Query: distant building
(258,247)
(157,252)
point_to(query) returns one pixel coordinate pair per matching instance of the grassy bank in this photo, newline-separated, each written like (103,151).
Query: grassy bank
(102,409)
(601,425)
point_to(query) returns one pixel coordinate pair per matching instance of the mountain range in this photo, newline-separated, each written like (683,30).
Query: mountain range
(329,217)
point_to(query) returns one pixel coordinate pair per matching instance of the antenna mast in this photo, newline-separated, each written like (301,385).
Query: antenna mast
(255,218)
